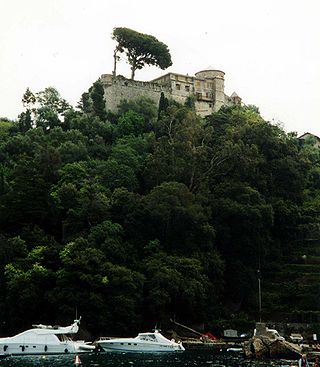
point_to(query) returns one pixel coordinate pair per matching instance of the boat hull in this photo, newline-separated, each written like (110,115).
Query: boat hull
(139,347)
(41,349)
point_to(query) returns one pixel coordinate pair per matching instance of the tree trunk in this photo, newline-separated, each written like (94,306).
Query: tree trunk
(133,70)
(115,57)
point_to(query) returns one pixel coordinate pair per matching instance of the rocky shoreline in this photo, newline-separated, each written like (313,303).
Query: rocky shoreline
(263,347)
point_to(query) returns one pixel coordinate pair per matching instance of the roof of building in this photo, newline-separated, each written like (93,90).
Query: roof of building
(210,68)
(305,135)
(234,95)
(171,73)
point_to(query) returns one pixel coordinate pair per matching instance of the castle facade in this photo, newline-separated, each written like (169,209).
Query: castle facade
(206,87)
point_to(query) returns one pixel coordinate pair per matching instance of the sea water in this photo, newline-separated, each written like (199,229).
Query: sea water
(189,358)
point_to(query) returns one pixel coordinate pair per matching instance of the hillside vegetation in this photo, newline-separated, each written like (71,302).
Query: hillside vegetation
(150,214)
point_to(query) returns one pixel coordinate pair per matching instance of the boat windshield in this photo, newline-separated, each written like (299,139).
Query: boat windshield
(63,337)
(148,337)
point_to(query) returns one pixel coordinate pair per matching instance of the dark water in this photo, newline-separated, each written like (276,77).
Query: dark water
(117,359)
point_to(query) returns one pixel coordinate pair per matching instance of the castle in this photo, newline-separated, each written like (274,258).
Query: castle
(207,88)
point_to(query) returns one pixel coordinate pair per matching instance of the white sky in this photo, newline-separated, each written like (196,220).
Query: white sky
(269,49)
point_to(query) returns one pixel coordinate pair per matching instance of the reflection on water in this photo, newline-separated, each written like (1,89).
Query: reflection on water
(117,359)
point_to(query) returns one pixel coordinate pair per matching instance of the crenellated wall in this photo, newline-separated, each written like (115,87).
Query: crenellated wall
(207,87)
(118,89)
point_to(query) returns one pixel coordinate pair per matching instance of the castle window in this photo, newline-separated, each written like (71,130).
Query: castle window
(178,86)
(187,88)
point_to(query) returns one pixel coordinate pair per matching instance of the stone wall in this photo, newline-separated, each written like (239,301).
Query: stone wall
(207,88)
(120,89)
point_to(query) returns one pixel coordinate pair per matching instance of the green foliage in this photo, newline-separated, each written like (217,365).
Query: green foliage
(163,105)
(177,219)
(25,121)
(143,106)
(190,102)
(141,49)
(93,102)
(153,215)
(51,98)
(124,301)
(130,123)
(28,99)
(27,283)
(5,127)
(176,285)
(98,103)
(181,153)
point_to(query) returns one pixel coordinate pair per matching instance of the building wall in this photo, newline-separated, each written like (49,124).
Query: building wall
(120,89)
(312,138)
(207,87)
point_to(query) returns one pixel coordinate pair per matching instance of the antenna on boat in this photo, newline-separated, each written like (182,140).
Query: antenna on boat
(77,320)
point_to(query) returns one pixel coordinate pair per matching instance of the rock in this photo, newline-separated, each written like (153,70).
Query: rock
(264,347)
(248,349)
(282,349)
(261,349)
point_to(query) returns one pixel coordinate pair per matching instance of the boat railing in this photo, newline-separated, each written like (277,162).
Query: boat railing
(51,327)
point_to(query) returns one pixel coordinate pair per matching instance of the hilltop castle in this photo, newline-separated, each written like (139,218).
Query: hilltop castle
(207,88)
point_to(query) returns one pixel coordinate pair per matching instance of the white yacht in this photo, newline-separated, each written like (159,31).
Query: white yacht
(144,342)
(45,339)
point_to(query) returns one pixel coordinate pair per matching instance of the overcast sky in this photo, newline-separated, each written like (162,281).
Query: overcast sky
(269,49)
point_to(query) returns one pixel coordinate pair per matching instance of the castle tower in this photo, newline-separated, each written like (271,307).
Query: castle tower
(215,79)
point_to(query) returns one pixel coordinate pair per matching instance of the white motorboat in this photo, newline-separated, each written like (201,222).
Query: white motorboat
(144,342)
(45,339)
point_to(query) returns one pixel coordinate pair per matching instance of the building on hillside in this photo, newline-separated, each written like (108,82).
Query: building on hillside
(206,87)
(310,137)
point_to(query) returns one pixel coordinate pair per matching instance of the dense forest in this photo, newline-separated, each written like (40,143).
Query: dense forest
(154,213)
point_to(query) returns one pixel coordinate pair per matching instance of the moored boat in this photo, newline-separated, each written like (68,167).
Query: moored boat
(144,342)
(45,339)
